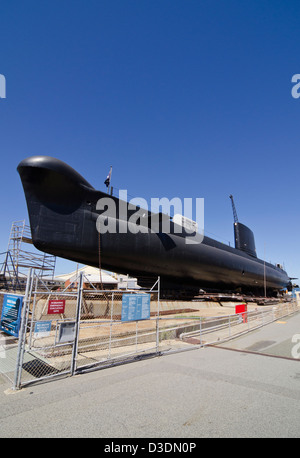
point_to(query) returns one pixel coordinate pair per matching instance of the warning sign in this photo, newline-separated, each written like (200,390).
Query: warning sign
(56,306)
(241,309)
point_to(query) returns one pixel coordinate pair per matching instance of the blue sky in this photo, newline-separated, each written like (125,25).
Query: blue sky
(183,98)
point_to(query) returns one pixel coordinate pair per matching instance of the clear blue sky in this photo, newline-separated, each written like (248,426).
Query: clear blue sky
(184,98)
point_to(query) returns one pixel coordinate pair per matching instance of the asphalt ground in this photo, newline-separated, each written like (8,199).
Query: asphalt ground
(247,387)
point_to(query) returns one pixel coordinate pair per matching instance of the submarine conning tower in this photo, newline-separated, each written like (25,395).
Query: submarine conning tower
(243,236)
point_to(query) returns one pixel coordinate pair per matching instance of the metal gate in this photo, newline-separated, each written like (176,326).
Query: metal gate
(47,337)
(66,331)
(106,336)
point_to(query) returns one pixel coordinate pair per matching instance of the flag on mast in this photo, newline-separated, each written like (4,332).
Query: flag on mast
(108,178)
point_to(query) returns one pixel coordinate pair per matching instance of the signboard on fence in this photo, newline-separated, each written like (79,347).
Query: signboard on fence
(135,307)
(66,332)
(42,329)
(56,306)
(241,309)
(11,314)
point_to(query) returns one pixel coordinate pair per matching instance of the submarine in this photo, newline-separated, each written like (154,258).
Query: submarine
(66,220)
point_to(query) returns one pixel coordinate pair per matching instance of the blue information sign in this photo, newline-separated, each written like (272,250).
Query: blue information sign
(42,328)
(135,307)
(11,314)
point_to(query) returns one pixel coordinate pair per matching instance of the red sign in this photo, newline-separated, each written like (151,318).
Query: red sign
(56,306)
(242,309)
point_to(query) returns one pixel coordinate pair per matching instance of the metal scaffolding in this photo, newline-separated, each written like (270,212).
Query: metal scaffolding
(17,260)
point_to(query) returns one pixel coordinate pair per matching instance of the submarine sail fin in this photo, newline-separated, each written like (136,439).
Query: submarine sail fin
(244,239)
(243,236)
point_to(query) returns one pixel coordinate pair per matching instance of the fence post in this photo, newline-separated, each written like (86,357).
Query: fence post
(200,319)
(157,333)
(273,313)
(78,308)
(110,325)
(33,310)
(157,317)
(22,332)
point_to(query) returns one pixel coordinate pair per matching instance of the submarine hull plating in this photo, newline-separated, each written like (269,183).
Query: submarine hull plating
(63,216)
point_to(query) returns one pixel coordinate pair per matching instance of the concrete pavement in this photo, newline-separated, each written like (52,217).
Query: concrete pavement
(208,392)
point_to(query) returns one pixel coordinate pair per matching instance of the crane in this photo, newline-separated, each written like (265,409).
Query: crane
(235,217)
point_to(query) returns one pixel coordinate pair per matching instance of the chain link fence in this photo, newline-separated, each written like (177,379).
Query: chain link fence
(104,337)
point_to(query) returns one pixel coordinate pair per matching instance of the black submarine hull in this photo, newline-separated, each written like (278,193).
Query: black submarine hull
(64,216)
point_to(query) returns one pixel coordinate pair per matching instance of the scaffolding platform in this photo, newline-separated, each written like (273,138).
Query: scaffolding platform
(16,261)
